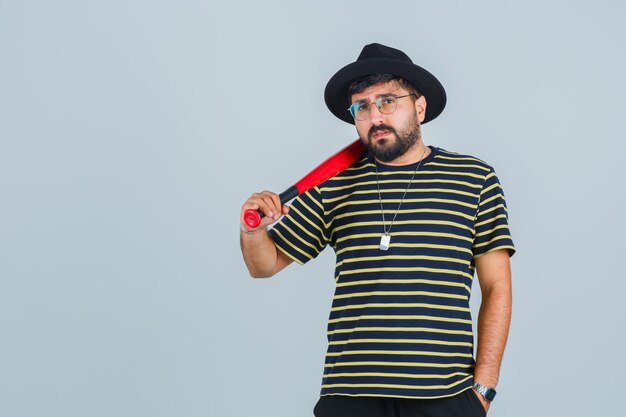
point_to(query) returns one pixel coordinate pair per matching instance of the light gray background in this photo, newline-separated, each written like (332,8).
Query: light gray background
(132,131)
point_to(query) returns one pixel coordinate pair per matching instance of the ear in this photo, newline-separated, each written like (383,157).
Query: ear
(420,108)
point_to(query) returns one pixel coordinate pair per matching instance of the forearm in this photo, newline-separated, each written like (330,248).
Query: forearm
(494,319)
(259,253)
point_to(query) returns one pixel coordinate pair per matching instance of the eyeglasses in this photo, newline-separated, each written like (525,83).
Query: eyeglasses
(385,104)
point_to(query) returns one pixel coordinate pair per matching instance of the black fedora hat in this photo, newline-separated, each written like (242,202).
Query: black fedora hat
(380,59)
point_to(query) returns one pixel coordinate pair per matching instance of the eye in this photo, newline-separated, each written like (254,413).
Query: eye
(361,106)
(388,100)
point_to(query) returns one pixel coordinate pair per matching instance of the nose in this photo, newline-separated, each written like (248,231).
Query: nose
(376,117)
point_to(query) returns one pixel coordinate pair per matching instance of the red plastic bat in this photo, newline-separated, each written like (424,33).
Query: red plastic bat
(327,169)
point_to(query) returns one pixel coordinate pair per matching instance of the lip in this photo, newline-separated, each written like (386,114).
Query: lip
(380,134)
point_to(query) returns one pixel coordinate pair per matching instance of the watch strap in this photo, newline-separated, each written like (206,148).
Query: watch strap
(488,393)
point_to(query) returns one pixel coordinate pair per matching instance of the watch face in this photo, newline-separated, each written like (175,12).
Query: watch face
(490,394)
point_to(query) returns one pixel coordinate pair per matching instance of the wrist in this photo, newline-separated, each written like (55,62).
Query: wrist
(487,376)
(488,393)
(250,232)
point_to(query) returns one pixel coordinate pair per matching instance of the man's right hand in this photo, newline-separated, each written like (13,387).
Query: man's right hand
(262,257)
(269,204)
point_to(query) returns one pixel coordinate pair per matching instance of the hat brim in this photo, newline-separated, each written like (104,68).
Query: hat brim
(336,92)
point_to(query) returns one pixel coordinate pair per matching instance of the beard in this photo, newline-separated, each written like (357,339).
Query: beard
(397,144)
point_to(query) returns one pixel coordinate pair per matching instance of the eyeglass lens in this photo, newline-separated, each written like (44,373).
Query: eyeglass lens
(361,110)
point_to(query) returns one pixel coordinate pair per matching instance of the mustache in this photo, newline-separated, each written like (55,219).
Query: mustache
(375,129)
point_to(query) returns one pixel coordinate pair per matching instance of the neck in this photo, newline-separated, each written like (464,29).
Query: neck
(414,154)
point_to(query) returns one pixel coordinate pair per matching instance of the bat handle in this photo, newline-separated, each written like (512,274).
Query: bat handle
(252,218)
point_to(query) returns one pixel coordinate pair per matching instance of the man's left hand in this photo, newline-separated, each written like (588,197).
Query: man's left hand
(484,402)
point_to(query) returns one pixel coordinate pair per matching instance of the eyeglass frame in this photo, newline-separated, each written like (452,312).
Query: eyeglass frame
(379,99)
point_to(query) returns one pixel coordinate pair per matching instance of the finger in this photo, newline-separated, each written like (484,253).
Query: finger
(254,203)
(272,200)
(273,208)
(277,205)
(249,205)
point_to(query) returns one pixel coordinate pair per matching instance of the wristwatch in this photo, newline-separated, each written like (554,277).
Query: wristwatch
(488,393)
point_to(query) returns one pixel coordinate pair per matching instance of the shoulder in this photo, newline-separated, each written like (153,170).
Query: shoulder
(444,156)
(358,171)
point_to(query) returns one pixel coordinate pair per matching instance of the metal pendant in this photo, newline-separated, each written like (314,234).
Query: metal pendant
(385,241)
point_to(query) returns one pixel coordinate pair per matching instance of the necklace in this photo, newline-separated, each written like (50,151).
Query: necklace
(385,239)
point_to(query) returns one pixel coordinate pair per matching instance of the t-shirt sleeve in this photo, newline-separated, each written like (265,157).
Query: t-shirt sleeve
(491,224)
(301,234)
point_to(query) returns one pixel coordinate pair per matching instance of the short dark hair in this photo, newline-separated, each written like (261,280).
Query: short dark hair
(362,83)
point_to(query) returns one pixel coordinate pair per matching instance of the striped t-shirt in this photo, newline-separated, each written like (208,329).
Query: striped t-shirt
(400,322)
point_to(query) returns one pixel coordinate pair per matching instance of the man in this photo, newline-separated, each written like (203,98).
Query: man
(410,224)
